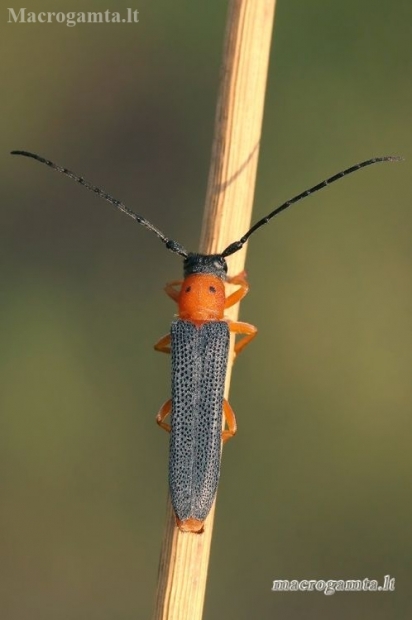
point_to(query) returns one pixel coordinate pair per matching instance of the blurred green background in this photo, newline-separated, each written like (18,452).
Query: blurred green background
(317,483)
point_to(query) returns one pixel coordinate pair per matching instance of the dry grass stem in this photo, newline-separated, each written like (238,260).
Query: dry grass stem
(185,557)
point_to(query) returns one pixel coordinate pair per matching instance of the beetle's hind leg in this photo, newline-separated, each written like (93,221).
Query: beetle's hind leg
(230,418)
(164,411)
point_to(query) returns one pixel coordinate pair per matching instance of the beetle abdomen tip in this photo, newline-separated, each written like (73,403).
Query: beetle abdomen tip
(190,525)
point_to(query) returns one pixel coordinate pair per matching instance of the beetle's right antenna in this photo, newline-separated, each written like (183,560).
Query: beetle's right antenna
(171,245)
(237,245)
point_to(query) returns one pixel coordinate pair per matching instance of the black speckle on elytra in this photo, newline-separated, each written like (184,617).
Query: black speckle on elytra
(199,360)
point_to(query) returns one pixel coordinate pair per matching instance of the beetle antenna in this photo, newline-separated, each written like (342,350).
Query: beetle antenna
(171,245)
(237,245)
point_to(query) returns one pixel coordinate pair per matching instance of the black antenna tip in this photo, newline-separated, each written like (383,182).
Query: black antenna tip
(391,158)
(32,155)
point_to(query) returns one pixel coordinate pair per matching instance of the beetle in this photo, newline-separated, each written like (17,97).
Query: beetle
(199,345)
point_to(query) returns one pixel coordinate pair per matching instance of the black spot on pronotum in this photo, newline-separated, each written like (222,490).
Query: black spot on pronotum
(188,289)
(212,289)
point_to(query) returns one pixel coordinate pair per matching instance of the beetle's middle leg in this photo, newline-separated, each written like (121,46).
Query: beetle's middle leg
(247,330)
(163,345)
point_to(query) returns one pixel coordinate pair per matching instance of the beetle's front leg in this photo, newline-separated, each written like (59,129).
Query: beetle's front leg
(240,293)
(173,292)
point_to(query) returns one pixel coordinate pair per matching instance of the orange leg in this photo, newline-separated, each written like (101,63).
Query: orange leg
(230,421)
(241,280)
(164,411)
(172,291)
(246,329)
(163,345)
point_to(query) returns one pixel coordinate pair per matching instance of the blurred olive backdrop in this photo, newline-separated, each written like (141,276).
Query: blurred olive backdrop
(317,483)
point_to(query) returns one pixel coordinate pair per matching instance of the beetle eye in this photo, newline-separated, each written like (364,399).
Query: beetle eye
(212,289)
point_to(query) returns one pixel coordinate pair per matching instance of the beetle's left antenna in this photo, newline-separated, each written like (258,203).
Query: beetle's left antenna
(171,245)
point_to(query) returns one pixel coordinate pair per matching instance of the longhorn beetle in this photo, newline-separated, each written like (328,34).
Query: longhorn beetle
(199,344)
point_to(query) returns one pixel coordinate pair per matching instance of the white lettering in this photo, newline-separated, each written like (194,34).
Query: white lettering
(72,18)
(353,584)
(330,587)
(19,17)
(280,584)
(95,18)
